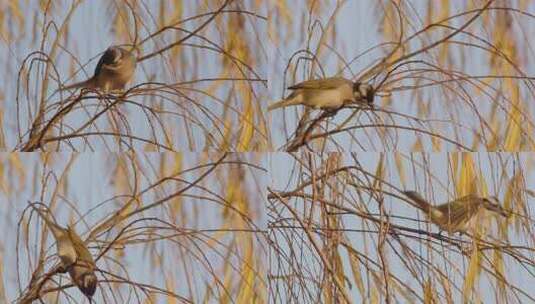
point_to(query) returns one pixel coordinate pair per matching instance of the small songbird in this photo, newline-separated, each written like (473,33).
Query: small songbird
(327,93)
(83,271)
(458,215)
(114,69)
(74,255)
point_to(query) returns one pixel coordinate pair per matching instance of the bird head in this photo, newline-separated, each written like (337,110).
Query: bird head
(493,204)
(115,53)
(363,91)
(87,283)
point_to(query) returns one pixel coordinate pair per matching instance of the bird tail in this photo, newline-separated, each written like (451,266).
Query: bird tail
(278,104)
(49,221)
(89,83)
(421,203)
(291,100)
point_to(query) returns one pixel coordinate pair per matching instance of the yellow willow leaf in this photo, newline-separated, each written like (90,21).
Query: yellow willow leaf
(443,54)
(429,14)
(401,169)
(2,29)
(161,13)
(177,14)
(465,183)
(417,146)
(498,266)
(509,49)
(247,127)
(233,194)
(327,295)
(3,186)
(150,299)
(389,12)
(227,136)
(499,38)
(246,293)
(446,286)
(150,147)
(379,172)
(472,275)
(403,291)
(528,129)
(437,144)
(170,285)
(374,296)
(510,196)
(444,10)
(178,158)
(454,163)
(2,135)
(119,26)
(213,86)
(428,292)
(176,166)
(283,10)
(3,297)
(280,16)
(354,263)
(389,29)
(338,267)
(482,184)
(15,10)
(227,282)
(16,163)
(178,11)
(513,135)
(242,204)
(492,145)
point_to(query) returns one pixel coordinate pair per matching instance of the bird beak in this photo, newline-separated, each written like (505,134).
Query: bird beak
(366,91)
(370,94)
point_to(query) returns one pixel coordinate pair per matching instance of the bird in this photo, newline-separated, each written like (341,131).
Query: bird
(326,94)
(458,215)
(74,255)
(114,70)
(82,272)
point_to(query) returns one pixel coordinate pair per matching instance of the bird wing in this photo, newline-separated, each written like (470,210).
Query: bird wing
(80,246)
(421,203)
(461,209)
(109,57)
(324,83)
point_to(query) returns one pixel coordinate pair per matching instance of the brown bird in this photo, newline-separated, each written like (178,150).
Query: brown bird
(326,93)
(114,69)
(458,215)
(74,255)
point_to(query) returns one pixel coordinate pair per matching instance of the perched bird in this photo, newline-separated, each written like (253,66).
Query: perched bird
(83,271)
(458,215)
(327,93)
(74,255)
(114,69)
